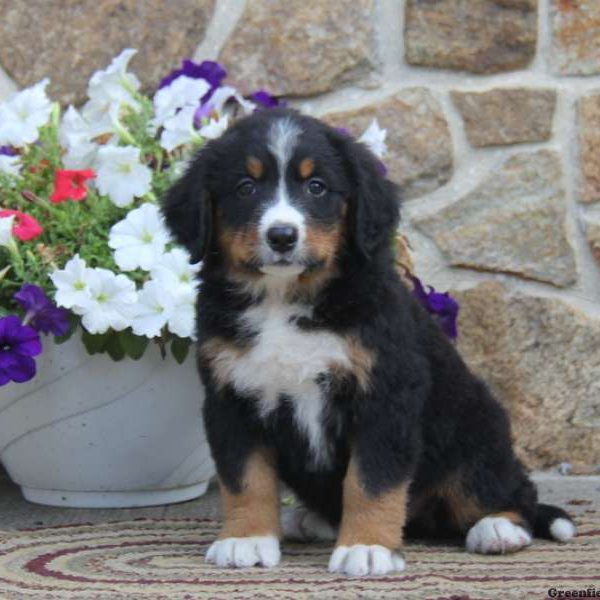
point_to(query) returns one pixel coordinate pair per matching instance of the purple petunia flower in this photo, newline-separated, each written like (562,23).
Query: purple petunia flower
(7,151)
(343,131)
(442,306)
(266,100)
(209,70)
(40,312)
(18,345)
(202,112)
(383,170)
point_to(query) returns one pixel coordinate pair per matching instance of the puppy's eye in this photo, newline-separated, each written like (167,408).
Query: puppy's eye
(246,188)
(316,187)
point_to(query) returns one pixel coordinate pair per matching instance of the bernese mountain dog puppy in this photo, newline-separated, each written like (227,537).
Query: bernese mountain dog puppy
(323,372)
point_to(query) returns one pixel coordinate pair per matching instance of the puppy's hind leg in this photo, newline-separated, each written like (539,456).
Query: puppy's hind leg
(495,514)
(499,533)
(299,524)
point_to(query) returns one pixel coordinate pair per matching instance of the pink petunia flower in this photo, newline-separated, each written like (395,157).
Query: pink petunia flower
(25,227)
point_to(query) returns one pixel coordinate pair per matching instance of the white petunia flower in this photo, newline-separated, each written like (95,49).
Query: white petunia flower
(214,128)
(6,236)
(81,156)
(374,138)
(73,129)
(109,90)
(72,285)
(221,95)
(75,136)
(139,240)
(23,115)
(120,174)
(184,91)
(9,164)
(116,73)
(112,304)
(182,321)
(179,129)
(154,308)
(115,81)
(173,269)
(178,168)
(103,114)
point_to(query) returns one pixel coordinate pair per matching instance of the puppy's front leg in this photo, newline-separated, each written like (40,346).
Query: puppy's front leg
(250,534)
(371,527)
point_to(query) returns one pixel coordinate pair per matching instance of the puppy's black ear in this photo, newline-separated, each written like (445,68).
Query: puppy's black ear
(187,207)
(374,201)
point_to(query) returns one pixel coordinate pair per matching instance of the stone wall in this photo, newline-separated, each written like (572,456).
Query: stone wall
(493,116)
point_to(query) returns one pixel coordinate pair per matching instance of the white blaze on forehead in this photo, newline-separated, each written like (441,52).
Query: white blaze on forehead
(281,141)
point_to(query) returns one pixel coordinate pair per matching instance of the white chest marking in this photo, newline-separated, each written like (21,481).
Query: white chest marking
(285,360)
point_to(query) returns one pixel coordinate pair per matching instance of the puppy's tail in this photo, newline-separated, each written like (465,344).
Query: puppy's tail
(553,523)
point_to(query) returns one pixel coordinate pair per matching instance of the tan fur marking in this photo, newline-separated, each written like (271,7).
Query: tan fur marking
(255,167)
(464,510)
(254,511)
(306,168)
(371,520)
(308,285)
(512,516)
(361,361)
(221,355)
(240,245)
(324,242)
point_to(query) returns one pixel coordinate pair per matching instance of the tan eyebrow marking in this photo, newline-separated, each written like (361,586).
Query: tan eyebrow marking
(306,167)
(255,167)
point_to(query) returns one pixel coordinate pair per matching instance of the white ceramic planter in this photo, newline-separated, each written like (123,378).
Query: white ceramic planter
(91,432)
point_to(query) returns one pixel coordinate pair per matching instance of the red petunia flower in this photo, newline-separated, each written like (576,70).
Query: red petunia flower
(70,185)
(25,227)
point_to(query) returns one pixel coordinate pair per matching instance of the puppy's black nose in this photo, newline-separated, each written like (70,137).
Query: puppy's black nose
(282,238)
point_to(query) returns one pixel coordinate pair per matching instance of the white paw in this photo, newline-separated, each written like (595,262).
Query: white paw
(563,530)
(301,525)
(245,552)
(360,560)
(496,535)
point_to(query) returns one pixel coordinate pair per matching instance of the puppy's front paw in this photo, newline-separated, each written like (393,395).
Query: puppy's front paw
(245,552)
(360,560)
(496,535)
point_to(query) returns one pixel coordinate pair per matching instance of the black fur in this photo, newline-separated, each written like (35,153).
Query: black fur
(425,418)
(188,208)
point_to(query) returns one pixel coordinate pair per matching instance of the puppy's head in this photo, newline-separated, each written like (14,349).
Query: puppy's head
(282,195)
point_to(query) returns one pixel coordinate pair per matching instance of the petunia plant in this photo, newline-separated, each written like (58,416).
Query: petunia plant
(83,246)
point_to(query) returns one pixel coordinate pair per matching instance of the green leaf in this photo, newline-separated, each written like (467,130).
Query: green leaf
(134,345)
(95,343)
(114,348)
(180,348)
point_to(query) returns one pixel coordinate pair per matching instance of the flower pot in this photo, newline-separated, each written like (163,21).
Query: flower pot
(91,432)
